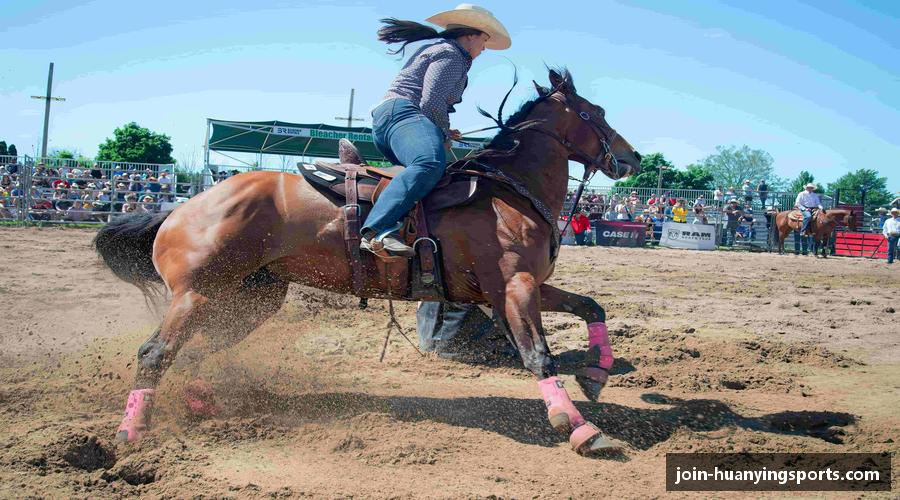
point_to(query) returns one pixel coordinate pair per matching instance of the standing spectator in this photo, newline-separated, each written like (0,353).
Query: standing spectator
(882,217)
(96,173)
(580,225)
(622,211)
(763,190)
(668,212)
(699,215)
(891,232)
(131,204)
(733,215)
(679,212)
(748,220)
(634,200)
(610,213)
(718,196)
(747,190)
(700,201)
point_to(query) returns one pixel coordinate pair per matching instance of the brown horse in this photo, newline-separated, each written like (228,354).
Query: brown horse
(820,229)
(227,255)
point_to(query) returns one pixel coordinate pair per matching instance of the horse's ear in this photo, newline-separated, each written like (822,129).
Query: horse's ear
(559,82)
(542,91)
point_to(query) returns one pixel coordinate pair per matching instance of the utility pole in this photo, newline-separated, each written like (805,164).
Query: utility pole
(349,116)
(49,97)
(659,179)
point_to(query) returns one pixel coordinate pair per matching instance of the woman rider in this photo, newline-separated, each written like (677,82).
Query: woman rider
(411,125)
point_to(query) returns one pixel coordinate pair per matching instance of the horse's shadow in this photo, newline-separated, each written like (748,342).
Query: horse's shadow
(525,421)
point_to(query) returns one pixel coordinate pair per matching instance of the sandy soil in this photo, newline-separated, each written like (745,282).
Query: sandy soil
(717,351)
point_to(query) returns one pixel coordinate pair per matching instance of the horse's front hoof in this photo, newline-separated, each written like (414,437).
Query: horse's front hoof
(592,380)
(587,440)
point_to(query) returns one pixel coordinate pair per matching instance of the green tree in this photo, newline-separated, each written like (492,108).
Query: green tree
(62,153)
(852,185)
(12,150)
(649,175)
(731,165)
(134,143)
(3,150)
(695,177)
(799,184)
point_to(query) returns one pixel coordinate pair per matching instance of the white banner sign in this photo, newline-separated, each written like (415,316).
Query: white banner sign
(691,236)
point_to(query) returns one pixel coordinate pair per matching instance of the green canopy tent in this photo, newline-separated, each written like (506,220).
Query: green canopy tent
(300,139)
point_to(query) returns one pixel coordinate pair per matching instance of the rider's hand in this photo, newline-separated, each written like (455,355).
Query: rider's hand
(454,134)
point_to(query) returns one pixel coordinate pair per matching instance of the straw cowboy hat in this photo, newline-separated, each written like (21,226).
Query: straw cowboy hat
(473,16)
(895,210)
(810,185)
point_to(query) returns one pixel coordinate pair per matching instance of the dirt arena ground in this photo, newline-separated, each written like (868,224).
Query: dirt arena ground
(720,351)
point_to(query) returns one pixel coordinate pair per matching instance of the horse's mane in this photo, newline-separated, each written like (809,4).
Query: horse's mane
(504,143)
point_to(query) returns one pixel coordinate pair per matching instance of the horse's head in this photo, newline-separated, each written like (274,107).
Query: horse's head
(584,131)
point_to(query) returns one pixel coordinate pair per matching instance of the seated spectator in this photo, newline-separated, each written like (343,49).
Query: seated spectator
(41,208)
(5,213)
(96,172)
(668,212)
(153,185)
(610,214)
(135,186)
(6,182)
(131,204)
(148,204)
(700,201)
(77,212)
(635,201)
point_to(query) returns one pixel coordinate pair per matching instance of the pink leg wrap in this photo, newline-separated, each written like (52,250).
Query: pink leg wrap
(558,402)
(598,336)
(137,415)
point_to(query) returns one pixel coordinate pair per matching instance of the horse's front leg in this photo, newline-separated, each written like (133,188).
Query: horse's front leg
(599,357)
(521,307)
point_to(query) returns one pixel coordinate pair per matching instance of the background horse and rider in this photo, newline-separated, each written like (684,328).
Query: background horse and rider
(228,255)
(818,234)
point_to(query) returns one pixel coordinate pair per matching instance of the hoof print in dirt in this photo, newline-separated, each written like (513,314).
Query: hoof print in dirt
(134,470)
(89,453)
(827,426)
(736,385)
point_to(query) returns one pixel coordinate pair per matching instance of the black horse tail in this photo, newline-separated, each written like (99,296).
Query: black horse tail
(126,246)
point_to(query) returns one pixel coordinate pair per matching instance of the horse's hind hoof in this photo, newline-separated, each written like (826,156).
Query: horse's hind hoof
(588,440)
(592,380)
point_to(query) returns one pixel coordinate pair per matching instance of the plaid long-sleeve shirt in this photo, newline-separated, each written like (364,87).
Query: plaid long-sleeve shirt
(434,78)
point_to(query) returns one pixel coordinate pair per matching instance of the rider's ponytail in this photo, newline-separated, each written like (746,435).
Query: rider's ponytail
(407,32)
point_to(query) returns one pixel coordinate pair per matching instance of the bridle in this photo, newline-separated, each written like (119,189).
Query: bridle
(591,163)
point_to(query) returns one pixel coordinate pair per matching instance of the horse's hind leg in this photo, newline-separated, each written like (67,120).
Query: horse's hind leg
(188,311)
(520,307)
(599,356)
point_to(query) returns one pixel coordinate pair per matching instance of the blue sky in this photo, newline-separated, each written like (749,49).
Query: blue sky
(816,84)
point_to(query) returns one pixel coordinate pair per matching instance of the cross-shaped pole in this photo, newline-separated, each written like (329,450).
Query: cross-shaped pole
(49,97)
(349,116)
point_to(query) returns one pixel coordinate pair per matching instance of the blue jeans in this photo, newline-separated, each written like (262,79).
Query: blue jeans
(801,240)
(438,323)
(807,214)
(406,137)
(892,248)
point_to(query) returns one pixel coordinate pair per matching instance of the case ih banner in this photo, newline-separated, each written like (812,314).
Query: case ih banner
(619,234)
(691,236)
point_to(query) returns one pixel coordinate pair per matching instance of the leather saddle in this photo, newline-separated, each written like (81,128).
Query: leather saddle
(358,187)
(796,215)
